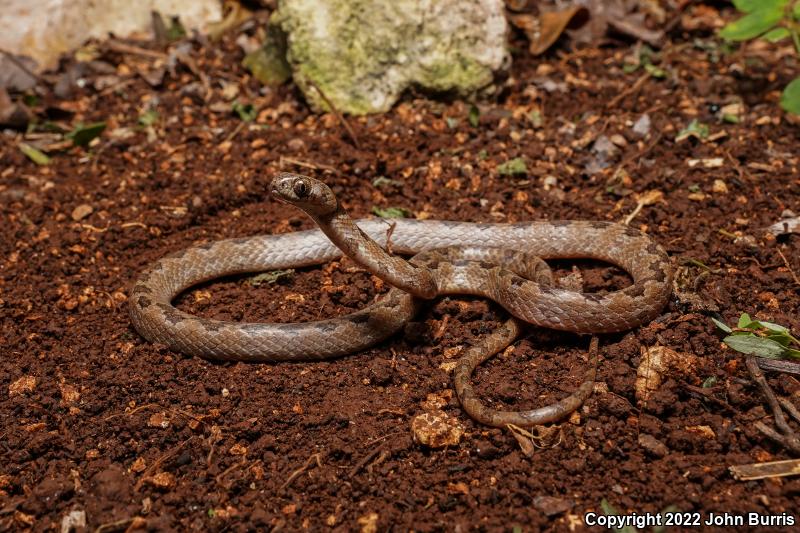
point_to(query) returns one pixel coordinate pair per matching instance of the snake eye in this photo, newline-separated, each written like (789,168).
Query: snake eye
(300,189)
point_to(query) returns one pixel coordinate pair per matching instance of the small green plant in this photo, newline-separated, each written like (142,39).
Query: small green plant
(391,212)
(759,337)
(772,20)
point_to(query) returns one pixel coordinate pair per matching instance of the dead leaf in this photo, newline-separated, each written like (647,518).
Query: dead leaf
(15,115)
(548,27)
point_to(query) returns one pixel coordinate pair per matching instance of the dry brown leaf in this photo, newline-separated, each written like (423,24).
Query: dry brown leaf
(550,25)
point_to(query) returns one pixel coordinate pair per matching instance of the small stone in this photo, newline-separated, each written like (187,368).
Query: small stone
(619,140)
(162,480)
(653,445)
(697,196)
(75,520)
(704,431)
(551,506)
(719,187)
(549,182)
(296,145)
(81,212)
(158,420)
(369,523)
(436,429)
(69,394)
(642,126)
(138,465)
(22,385)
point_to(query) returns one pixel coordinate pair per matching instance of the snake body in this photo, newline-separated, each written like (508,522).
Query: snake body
(498,261)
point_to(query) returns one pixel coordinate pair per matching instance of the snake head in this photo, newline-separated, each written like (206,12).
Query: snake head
(308,194)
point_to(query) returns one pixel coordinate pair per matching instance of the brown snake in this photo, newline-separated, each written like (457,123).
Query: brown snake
(498,261)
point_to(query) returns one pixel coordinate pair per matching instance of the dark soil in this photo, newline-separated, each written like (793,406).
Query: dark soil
(94,418)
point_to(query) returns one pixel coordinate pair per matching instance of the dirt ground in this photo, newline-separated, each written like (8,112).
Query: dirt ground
(95,419)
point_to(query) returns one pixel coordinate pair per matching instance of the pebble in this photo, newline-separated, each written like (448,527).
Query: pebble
(642,125)
(436,429)
(653,445)
(81,212)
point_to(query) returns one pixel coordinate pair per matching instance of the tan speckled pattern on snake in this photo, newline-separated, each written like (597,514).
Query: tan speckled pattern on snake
(459,258)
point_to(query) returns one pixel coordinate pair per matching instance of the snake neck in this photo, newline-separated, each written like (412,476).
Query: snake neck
(358,246)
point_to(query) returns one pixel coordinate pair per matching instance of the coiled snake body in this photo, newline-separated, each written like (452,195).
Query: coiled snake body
(498,261)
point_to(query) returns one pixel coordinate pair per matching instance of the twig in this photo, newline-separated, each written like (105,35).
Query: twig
(338,114)
(638,155)
(158,462)
(629,91)
(786,262)
(363,462)
(787,437)
(123,48)
(297,473)
(780,365)
(235,132)
(307,164)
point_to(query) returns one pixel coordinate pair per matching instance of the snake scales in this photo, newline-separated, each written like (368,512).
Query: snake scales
(498,261)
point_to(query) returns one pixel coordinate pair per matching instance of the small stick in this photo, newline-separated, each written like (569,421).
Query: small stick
(779,365)
(158,462)
(363,462)
(786,262)
(123,48)
(297,473)
(786,437)
(307,164)
(629,91)
(338,115)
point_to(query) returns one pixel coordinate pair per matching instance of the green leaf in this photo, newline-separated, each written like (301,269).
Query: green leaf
(748,6)
(176,30)
(796,11)
(730,118)
(790,99)
(776,35)
(750,344)
(391,212)
(654,71)
(148,118)
(721,325)
(754,23)
(695,129)
(34,154)
(709,382)
(246,112)
(535,116)
(744,321)
(777,328)
(474,116)
(791,352)
(270,277)
(82,135)
(513,166)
